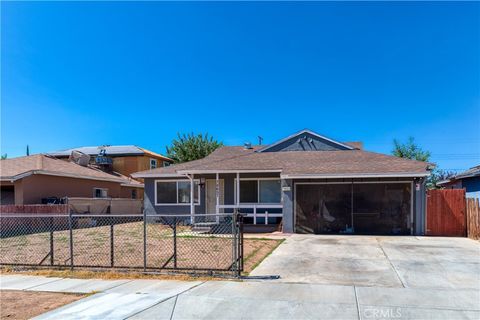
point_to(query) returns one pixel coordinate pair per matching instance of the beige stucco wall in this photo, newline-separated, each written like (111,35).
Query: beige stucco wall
(32,189)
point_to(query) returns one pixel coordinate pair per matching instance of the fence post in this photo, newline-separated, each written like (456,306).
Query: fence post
(235,244)
(70,223)
(51,241)
(240,237)
(144,240)
(112,244)
(175,243)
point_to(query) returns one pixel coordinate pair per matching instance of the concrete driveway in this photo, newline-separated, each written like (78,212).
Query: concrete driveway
(397,262)
(321,277)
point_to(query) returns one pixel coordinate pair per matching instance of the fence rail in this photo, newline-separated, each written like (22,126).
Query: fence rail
(473,218)
(126,241)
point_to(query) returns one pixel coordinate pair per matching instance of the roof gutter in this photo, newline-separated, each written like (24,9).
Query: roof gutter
(184,173)
(357,175)
(157,175)
(225,171)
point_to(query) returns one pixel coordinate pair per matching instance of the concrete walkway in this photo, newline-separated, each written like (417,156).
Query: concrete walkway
(160,299)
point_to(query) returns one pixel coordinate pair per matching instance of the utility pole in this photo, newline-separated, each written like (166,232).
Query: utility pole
(260,139)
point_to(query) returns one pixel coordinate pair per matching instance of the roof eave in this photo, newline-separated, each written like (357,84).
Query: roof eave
(67,175)
(133,185)
(199,171)
(156,175)
(356,175)
(443,182)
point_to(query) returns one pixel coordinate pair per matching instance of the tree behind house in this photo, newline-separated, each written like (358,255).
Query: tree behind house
(410,150)
(188,147)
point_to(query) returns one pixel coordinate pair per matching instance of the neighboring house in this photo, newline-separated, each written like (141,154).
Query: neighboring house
(124,159)
(306,183)
(468,180)
(32,179)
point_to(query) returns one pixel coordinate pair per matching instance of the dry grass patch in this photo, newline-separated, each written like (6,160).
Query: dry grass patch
(255,251)
(92,248)
(27,304)
(258,251)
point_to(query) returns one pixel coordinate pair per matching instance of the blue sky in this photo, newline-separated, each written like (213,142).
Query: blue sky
(76,74)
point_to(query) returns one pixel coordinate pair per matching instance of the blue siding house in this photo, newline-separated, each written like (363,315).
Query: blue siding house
(468,180)
(304,183)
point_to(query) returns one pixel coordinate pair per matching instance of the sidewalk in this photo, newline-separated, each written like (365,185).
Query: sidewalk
(166,299)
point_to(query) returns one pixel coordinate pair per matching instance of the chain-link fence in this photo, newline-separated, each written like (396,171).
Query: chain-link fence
(145,242)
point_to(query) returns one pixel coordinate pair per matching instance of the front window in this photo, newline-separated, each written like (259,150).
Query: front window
(176,192)
(249,191)
(260,191)
(270,191)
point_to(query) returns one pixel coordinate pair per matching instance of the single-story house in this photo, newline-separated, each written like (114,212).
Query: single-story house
(305,183)
(33,179)
(468,180)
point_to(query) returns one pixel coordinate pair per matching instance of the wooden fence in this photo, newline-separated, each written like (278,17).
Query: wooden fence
(473,218)
(446,213)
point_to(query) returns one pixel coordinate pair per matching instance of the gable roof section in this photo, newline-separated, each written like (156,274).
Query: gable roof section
(335,145)
(111,150)
(18,168)
(296,164)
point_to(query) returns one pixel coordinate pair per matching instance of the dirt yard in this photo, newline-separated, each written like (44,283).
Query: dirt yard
(92,247)
(28,304)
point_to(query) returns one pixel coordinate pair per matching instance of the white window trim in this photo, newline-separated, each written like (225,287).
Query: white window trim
(177,204)
(258,190)
(103,189)
(156,163)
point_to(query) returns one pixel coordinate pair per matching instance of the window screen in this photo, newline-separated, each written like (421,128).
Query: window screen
(166,192)
(184,192)
(382,208)
(100,193)
(153,163)
(270,191)
(249,191)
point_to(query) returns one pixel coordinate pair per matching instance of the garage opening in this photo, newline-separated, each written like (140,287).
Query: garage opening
(360,208)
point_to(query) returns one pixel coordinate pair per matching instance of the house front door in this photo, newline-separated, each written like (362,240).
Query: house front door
(211,195)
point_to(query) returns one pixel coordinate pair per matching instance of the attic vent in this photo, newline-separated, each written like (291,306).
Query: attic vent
(247,145)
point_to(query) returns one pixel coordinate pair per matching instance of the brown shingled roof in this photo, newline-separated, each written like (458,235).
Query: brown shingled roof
(297,163)
(16,168)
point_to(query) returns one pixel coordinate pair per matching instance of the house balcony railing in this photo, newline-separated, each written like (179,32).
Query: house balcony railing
(255,207)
